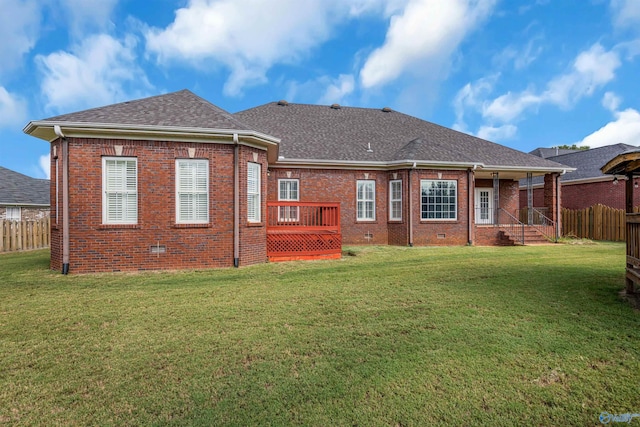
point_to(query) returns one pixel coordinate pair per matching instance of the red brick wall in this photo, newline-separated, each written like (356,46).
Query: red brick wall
(340,186)
(445,232)
(97,247)
(581,196)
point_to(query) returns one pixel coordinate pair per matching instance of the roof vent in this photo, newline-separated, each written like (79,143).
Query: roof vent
(387,110)
(335,106)
(283,103)
(369,150)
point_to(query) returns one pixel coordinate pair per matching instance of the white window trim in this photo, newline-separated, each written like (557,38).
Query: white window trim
(13,209)
(104,191)
(364,200)
(424,182)
(193,191)
(254,217)
(288,213)
(392,200)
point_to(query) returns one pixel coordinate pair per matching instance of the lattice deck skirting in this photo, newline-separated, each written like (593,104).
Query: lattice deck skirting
(288,245)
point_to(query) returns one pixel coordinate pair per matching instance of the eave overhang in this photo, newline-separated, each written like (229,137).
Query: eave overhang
(45,130)
(481,170)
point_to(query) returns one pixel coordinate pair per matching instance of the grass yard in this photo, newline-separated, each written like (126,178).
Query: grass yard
(389,337)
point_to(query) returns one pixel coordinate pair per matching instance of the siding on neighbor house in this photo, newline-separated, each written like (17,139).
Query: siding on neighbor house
(98,247)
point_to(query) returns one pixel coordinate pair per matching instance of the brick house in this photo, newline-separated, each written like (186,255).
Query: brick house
(586,185)
(23,197)
(173,181)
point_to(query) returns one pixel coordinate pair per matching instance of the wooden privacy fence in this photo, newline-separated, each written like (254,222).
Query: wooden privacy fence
(23,235)
(598,222)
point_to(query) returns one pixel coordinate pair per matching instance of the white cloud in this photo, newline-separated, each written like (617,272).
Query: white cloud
(611,101)
(471,96)
(625,129)
(13,110)
(44,162)
(338,89)
(626,13)
(591,70)
(248,37)
(19,30)
(88,15)
(427,32)
(100,71)
(499,133)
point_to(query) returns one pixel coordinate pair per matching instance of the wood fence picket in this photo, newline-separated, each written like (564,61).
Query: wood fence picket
(24,235)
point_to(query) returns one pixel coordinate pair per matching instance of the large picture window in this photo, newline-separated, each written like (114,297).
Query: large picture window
(119,190)
(395,200)
(253,192)
(288,191)
(439,199)
(366,200)
(192,191)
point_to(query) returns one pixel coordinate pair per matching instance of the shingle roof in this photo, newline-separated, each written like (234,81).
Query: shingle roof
(545,153)
(317,132)
(588,162)
(18,189)
(179,109)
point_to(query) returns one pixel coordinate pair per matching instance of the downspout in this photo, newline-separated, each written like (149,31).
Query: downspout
(470,195)
(411,205)
(236,201)
(558,203)
(65,199)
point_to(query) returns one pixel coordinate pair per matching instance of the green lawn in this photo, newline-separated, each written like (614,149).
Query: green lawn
(391,337)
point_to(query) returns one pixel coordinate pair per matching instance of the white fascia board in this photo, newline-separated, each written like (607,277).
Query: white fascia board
(355,164)
(24,205)
(540,170)
(44,130)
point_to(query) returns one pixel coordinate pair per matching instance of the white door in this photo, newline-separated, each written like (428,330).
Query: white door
(484,205)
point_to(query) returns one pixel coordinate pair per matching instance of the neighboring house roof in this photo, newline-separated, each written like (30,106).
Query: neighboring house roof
(347,134)
(545,153)
(587,163)
(179,115)
(17,189)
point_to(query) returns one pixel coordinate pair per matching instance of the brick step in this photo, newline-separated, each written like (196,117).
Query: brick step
(531,237)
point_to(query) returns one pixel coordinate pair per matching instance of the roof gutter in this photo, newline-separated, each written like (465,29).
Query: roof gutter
(44,129)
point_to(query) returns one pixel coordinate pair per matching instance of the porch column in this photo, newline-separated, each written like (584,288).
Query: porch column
(496,198)
(552,196)
(529,198)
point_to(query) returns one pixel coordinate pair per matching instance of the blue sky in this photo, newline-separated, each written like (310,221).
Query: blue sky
(523,74)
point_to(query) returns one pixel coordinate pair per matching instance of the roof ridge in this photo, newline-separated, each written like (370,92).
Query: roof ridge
(131,101)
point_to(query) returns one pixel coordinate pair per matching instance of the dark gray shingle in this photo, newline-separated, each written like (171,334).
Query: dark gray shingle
(179,109)
(19,189)
(318,132)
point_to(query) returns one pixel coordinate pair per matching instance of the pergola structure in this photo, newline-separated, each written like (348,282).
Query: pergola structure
(627,165)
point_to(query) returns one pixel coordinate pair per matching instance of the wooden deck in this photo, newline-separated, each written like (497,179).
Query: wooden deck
(303,231)
(633,251)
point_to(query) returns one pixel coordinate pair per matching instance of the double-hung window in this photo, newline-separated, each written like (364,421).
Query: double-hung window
(288,191)
(14,214)
(366,200)
(253,192)
(192,191)
(439,199)
(395,200)
(119,190)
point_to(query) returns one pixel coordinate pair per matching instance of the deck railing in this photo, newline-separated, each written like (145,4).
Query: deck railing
(633,251)
(303,230)
(308,216)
